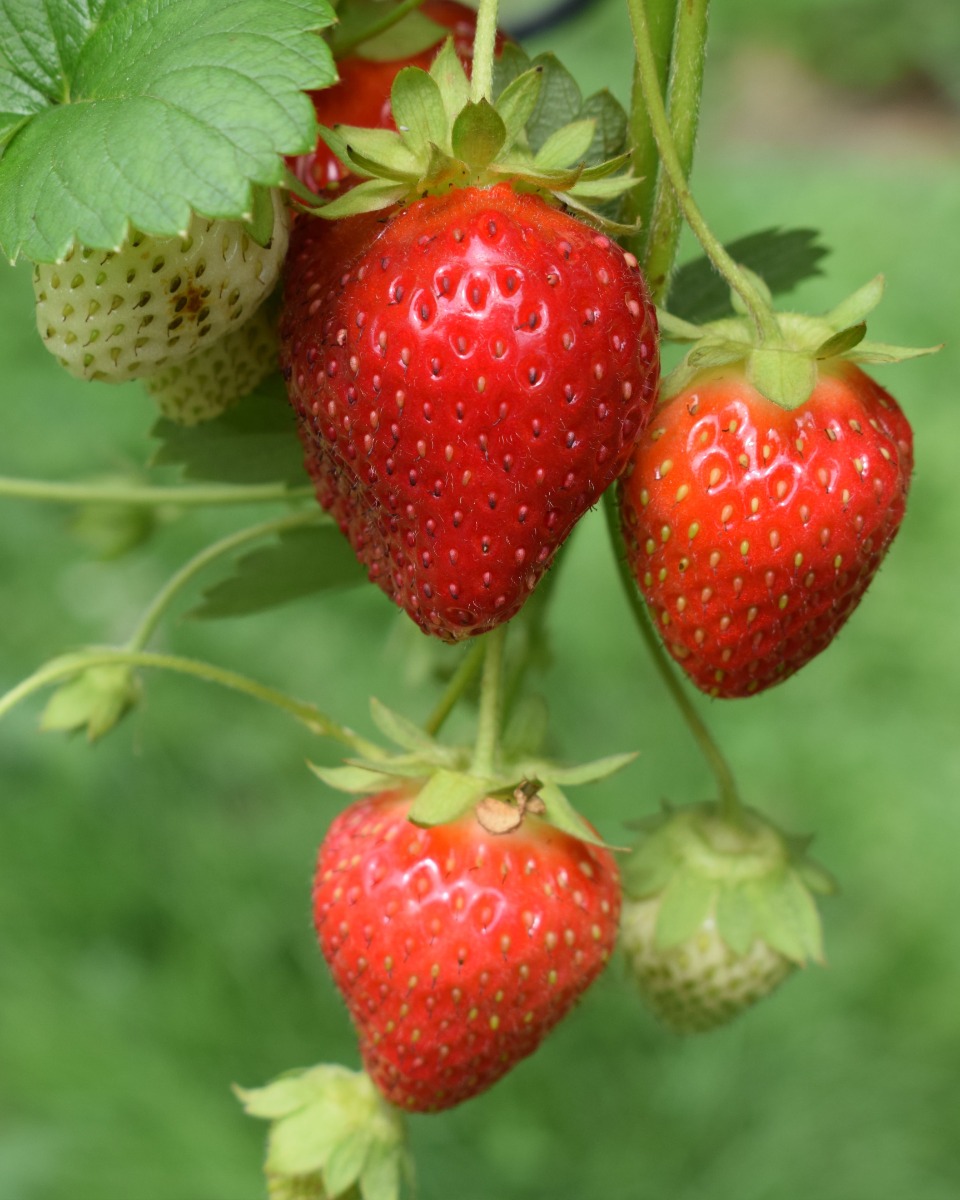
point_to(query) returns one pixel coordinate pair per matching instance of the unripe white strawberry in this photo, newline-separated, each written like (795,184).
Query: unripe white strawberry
(717,913)
(119,315)
(209,382)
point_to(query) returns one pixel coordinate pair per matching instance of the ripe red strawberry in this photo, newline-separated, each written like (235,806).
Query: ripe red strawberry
(470,374)
(752,529)
(457,950)
(362,94)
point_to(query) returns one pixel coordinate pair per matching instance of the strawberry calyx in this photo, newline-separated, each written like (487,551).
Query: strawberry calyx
(784,358)
(445,785)
(447,138)
(746,879)
(331,1135)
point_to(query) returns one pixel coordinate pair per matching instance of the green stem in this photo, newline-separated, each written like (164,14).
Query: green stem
(683,102)
(70,665)
(639,201)
(754,302)
(148,496)
(464,675)
(164,598)
(726,784)
(486,747)
(348,45)
(484,52)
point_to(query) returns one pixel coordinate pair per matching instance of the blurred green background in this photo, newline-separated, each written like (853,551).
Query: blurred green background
(155,940)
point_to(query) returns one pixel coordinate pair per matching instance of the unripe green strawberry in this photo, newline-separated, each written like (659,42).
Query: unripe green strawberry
(119,315)
(217,376)
(717,912)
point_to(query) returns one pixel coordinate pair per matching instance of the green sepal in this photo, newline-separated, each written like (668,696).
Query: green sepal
(478,134)
(843,341)
(516,102)
(883,353)
(400,729)
(589,772)
(446,796)
(566,147)
(397,767)
(788,917)
(329,1122)
(684,906)
(608,167)
(783,376)
(371,196)
(855,309)
(450,77)
(419,111)
(599,191)
(563,816)
(96,700)
(354,780)
(379,153)
(736,919)
(523,171)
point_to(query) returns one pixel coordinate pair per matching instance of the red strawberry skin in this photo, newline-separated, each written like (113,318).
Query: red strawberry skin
(752,530)
(470,374)
(362,94)
(457,950)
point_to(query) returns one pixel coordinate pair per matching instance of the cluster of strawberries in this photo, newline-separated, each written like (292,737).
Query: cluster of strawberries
(472,366)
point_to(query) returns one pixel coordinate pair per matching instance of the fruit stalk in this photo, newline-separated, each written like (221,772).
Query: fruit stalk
(491,700)
(754,302)
(148,496)
(683,100)
(730,804)
(484,49)
(464,675)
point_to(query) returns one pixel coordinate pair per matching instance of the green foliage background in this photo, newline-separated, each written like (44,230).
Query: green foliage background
(155,941)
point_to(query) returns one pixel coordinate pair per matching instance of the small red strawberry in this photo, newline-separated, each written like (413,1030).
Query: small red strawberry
(754,526)
(361,96)
(455,949)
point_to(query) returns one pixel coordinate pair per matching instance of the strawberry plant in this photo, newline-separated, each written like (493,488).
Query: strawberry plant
(397,282)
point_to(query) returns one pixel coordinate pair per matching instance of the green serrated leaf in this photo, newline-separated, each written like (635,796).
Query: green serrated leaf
(196,103)
(566,147)
(400,729)
(418,110)
(478,134)
(736,919)
(301,562)
(445,796)
(451,79)
(684,907)
(782,257)
(517,101)
(254,442)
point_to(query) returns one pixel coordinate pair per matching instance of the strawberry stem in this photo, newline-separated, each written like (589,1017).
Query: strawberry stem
(730,803)
(70,665)
(486,746)
(154,613)
(754,302)
(484,52)
(683,103)
(461,679)
(148,496)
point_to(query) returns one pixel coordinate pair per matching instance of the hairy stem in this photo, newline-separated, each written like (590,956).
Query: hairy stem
(753,300)
(165,597)
(726,784)
(148,496)
(484,51)
(70,665)
(486,747)
(639,201)
(683,99)
(462,678)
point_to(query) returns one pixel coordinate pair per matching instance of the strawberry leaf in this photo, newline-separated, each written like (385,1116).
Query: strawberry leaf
(781,257)
(301,562)
(151,109)
(254,442)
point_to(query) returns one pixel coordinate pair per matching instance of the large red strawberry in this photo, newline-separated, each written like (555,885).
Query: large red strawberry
(455,949)
(361,96)
(754,527)
(468,379)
